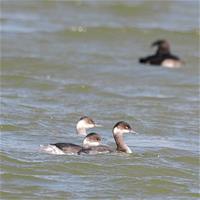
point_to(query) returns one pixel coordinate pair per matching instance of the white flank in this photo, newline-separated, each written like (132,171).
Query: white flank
(51,149)
(171,63)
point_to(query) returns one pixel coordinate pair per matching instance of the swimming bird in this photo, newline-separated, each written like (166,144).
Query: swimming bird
(163,56)
(85,123)
(119,129)
(91,140)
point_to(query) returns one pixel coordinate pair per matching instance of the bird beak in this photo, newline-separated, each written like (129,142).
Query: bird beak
(134,132)
(98,125)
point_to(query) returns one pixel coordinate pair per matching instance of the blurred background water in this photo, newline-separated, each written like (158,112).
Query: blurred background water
(61,60)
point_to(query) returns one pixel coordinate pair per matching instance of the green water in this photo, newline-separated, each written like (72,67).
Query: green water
(61,60)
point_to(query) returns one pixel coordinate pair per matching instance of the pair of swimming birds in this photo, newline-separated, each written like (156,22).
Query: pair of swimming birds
(92,141)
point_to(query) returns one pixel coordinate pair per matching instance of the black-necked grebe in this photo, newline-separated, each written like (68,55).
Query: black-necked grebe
(92,139)
(163,56)
(85,123)
(119,130)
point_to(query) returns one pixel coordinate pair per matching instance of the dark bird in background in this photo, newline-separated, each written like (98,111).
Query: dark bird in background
(163,56)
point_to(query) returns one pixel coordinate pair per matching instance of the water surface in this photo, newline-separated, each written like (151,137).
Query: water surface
(62,60)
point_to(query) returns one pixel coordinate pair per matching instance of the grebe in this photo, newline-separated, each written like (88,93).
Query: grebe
(119,129)
(85,123)
(92,139)
(163,56)
(82,125)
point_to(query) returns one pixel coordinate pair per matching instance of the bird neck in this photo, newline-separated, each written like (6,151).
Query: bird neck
(163,51)
(81,130)
(121,145)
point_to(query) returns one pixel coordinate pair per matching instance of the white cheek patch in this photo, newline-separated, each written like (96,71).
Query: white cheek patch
(87,143)
(82,124)
(94,143)
(117,130)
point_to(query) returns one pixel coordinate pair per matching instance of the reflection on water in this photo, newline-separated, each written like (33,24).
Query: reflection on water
(62,60)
